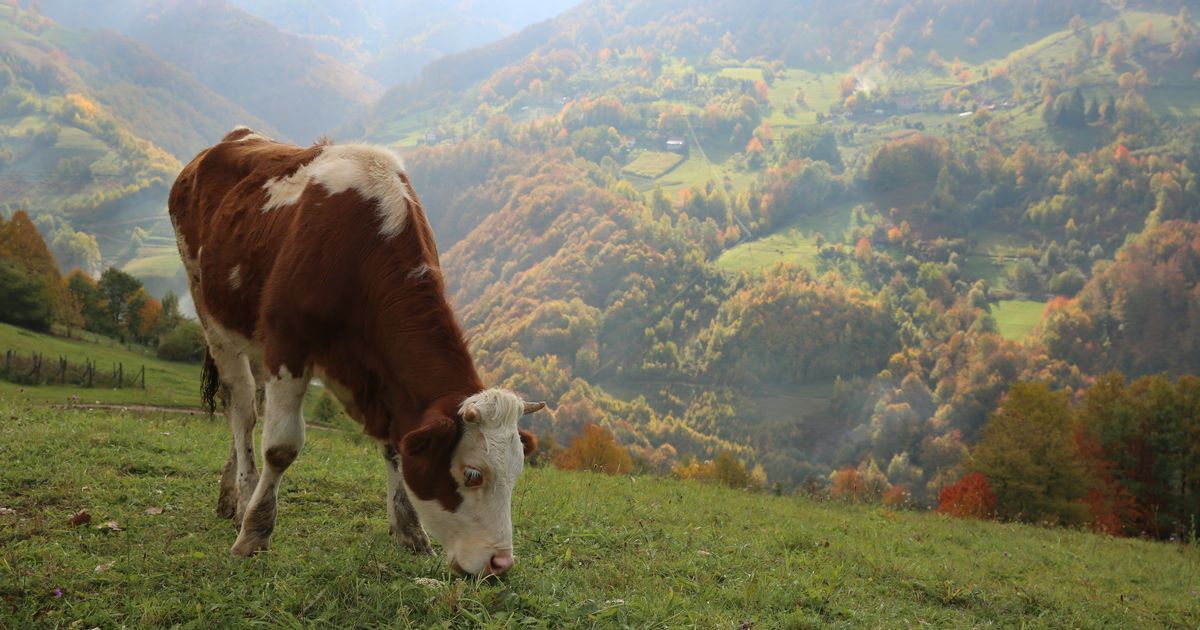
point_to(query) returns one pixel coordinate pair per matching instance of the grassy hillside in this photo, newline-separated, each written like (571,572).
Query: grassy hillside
(594,551)
(167,382)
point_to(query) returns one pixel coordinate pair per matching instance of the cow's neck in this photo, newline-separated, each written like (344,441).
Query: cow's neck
(435,369)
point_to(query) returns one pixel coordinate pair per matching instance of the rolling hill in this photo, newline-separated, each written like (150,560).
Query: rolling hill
(277,76)
(593,550)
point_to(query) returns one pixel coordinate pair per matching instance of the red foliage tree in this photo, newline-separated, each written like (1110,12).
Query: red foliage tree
(971,496)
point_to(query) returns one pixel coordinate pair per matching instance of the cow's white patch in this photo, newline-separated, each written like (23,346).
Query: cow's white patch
(420,271)
(481,527)
(252,136)
(240,128)
(373,172)
(235,277)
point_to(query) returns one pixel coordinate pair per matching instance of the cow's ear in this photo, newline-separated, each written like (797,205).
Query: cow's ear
(528,442)
(435,436)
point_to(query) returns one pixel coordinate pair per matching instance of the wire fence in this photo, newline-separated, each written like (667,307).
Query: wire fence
(36,369)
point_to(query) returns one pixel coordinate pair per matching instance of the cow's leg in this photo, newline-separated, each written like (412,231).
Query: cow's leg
(240,474)
(402,518)
(282,439)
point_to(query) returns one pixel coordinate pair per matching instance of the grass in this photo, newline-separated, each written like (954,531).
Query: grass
(1016,318)
(594,551)
(795,244)
(789,246)
(652,164)
(167,383)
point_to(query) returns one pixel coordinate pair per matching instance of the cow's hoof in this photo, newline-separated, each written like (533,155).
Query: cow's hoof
(412,539)
(227,505)
(246,547)
(419,547)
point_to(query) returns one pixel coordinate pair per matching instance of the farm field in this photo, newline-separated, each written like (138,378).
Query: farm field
(795,244)
(1016,318)
(652,164)
(593,551)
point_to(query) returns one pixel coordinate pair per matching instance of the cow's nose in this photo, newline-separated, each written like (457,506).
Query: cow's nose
(501,562)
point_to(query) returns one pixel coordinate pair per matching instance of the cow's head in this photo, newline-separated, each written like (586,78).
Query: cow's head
(460,473)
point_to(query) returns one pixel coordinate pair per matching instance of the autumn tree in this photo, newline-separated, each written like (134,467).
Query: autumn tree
(595,449)
(1028,456)
(971,496)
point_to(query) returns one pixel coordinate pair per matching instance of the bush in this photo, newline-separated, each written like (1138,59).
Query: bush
(24,296)
(969,497)
(184,343)
(597,450)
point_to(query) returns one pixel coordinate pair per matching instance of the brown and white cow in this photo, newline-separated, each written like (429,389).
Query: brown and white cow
(319,262)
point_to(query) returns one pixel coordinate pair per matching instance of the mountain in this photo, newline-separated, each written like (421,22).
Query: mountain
(93,128)
(277,76)
(816,235)
(392,41)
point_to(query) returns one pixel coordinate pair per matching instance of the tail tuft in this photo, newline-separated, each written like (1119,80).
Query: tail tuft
(210,384)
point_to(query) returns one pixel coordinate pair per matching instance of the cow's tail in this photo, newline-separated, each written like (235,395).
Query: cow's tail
(210,383)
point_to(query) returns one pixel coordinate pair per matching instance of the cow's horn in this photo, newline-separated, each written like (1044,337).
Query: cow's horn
(470,415)
(531,407)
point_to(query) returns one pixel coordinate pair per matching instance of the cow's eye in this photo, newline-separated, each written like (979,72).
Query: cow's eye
(472,477)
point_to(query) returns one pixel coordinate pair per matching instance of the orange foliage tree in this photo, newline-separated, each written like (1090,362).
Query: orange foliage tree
(595,449)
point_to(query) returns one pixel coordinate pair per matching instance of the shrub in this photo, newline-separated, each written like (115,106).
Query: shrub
(969,497)
(184,343)
(595,449)
(24,297)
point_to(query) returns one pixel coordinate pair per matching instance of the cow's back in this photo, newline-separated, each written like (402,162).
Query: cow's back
(228,243)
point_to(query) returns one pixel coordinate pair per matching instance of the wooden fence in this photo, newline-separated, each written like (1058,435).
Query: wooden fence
(36,369)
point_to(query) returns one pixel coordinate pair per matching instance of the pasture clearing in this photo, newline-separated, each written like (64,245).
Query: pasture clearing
(1016,318)
(593,551)
(652,164)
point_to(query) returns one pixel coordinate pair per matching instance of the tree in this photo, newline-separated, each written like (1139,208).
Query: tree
(1028,456)
(597,450)
(24,297)
(969,497)
(119,293)
(183,343)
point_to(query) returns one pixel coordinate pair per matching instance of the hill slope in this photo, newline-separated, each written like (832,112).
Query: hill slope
(392,41)
(594,551)
(277,76)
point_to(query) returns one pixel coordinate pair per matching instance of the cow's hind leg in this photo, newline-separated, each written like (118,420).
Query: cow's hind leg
(282,439)
(240,474)
(402,518)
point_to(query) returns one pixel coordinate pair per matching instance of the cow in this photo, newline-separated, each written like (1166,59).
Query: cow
(319,262)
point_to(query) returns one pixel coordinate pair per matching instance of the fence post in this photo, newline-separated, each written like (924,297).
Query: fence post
(143,375)
(36,374)
(62,370)
(7,363)
(120,374)
(91,371)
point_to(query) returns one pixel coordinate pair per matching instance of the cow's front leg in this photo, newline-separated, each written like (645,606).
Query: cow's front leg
(282,439)
(402,518)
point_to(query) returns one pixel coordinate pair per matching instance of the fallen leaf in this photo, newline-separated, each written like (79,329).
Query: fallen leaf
(154,510)
(4,511)
(428,582)
(110,526)
(101,568)
(81,517)
(704,553)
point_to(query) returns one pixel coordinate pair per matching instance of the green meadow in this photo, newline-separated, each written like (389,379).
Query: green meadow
(593,551)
